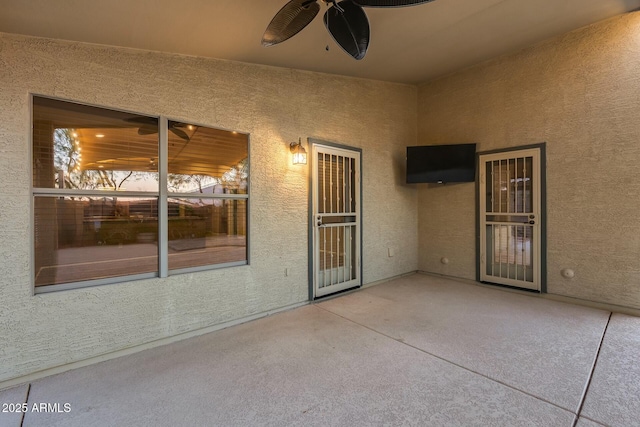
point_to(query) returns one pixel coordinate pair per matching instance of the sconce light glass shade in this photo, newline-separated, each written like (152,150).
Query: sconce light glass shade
(299,153)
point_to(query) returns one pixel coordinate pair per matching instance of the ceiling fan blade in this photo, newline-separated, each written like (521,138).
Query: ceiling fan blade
(348,25)
(290,20)
(147,130)
(179,132)
(389,3)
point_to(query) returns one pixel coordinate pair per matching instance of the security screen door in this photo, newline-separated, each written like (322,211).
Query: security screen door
(510,235)
(336,219)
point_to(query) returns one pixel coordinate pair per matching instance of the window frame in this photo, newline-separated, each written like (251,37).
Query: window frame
(162,194)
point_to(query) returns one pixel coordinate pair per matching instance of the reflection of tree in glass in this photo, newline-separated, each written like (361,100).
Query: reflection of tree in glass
(189,183)
(66,154)
(68,161)
(236,178)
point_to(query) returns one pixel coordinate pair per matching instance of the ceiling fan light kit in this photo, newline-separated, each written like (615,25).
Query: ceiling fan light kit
(346,21)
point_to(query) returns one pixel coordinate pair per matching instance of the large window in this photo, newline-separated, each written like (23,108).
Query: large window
(119,196)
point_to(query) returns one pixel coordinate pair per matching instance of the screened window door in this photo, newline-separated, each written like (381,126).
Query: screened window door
(336,220)
(510,233)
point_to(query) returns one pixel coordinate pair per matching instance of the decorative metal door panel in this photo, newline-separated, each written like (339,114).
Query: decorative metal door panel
(336,216)
(510,235)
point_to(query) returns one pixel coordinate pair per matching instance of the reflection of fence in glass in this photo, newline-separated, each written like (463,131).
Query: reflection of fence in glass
(207,231)
(87,238)
(102,237)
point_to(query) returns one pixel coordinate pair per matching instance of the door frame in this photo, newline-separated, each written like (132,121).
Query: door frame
(543,209)
(311,142)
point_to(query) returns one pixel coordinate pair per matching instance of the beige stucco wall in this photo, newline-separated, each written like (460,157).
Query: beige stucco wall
(274,106)
(579,93)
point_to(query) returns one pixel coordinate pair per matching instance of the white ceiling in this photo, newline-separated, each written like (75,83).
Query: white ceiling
(409,45)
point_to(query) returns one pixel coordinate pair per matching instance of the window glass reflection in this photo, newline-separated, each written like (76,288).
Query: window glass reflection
(101,220)
(87,238)
(206,160)
(89,148)
(206,231)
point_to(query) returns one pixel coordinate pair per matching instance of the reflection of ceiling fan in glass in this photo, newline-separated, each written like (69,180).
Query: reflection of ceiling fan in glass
(346,21)
(149,125)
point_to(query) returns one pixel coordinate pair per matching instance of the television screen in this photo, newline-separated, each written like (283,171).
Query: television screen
(441,163)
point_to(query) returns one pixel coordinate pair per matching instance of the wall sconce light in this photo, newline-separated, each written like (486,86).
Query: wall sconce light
(299,153)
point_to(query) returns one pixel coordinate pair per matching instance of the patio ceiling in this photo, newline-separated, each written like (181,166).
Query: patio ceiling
(408,45)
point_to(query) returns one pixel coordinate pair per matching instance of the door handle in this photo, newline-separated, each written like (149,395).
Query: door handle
(319,221)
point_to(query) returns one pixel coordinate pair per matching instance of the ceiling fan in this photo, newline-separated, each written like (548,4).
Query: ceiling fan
(149,125)
(346,21)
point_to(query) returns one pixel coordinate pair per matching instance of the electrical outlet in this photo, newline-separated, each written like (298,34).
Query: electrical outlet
(286,272)
(390,252)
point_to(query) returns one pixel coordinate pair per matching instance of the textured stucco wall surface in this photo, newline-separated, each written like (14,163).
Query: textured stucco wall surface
(275,106)
(579,93)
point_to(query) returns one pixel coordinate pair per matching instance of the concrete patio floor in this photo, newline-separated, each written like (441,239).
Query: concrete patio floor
(418,350)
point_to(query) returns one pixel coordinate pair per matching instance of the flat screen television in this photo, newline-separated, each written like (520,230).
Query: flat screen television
(441,163)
